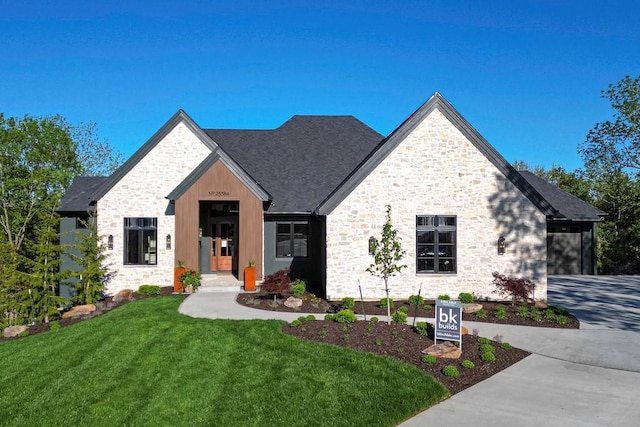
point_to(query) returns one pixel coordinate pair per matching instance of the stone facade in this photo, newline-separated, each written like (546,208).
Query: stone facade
(142,193)
(436,170)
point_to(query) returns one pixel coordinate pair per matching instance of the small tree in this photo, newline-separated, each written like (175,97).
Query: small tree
(518,288)
(387,253)
(93,276)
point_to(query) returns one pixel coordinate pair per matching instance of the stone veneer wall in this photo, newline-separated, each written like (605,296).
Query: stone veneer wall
(141,193)
(436,171)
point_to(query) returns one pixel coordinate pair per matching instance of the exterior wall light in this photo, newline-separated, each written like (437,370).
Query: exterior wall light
(168,241)
(372,245)
(501,245)
(110,242)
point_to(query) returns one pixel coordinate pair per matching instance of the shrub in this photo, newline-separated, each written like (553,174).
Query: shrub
(311,317)
(429,358)
(54,326)
(345,316)
(423,328)
(277,283)
(374,319)
(488,357)
(450,371)
(522,311)
(295,323)
(385,301)
(302,318)
(428,307)
(483,340)
(299,288)
(518,288)
(23,334)
(506,346)
(328,317)
(378,342)
(501,312)
(561,319)
(465,297)
(468,364)
(487,348)
(399,316)
(348,303)
(416,300)
(482,313)
(549,314)
(404,309)
(149,290)
(444,297)
(535,314)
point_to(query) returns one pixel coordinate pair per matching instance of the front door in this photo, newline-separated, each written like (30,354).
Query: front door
(224,244)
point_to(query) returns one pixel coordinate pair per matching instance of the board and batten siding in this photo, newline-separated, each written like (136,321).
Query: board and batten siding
(436,170)
(219,184)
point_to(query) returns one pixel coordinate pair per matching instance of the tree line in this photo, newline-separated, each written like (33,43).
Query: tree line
(609,179)
(39,157)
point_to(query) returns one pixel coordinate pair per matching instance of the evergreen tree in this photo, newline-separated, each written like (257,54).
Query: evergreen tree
(93,275)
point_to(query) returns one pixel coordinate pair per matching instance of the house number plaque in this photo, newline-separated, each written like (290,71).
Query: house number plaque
(219,193)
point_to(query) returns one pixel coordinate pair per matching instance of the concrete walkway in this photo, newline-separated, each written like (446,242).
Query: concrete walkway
(585,377)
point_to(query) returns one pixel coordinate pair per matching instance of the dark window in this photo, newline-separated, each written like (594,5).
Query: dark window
(81,222)
(435,244)
(140,241)
(291,239)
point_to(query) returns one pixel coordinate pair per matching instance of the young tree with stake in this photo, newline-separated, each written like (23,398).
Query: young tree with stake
(387,253)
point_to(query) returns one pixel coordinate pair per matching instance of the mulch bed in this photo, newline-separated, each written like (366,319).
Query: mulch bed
(402,343)
(102,306)
(313,304)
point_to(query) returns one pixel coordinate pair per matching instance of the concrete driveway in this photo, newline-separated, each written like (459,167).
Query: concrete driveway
(585,377)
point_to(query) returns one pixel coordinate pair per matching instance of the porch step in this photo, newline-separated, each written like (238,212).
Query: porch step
(220,283)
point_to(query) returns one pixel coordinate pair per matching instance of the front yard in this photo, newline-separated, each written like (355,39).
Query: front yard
(145,364)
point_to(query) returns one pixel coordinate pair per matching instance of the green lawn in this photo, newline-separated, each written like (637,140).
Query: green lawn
(146,364)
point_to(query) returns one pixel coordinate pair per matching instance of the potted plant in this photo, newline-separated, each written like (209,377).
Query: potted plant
(191,280)
(250,276)
(177,274)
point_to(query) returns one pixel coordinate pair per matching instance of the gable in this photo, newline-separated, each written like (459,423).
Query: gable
(389,144)
(210,169)
(178,119)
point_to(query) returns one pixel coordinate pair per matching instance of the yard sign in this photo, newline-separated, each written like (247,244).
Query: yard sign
(448,324)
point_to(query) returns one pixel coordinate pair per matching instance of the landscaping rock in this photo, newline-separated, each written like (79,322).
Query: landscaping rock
(123,295)
(542,304)
(293,302)
(445,350)
(79,310)
(471,308)
(13,331)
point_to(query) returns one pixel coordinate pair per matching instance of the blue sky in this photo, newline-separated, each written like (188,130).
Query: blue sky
(526,74)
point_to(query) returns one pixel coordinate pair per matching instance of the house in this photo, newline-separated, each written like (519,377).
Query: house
(310,194)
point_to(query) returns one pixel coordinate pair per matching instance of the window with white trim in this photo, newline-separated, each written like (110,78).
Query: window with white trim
(436,244)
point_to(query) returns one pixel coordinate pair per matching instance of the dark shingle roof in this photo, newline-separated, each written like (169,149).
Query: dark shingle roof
(79,195)
(301,162)
(568,206)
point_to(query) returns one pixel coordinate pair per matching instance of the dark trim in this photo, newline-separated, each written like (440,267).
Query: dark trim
(205,165)
(123,170)
(390,143)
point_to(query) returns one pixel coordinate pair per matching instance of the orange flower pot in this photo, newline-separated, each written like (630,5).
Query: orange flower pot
(177,283)
(249,278)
